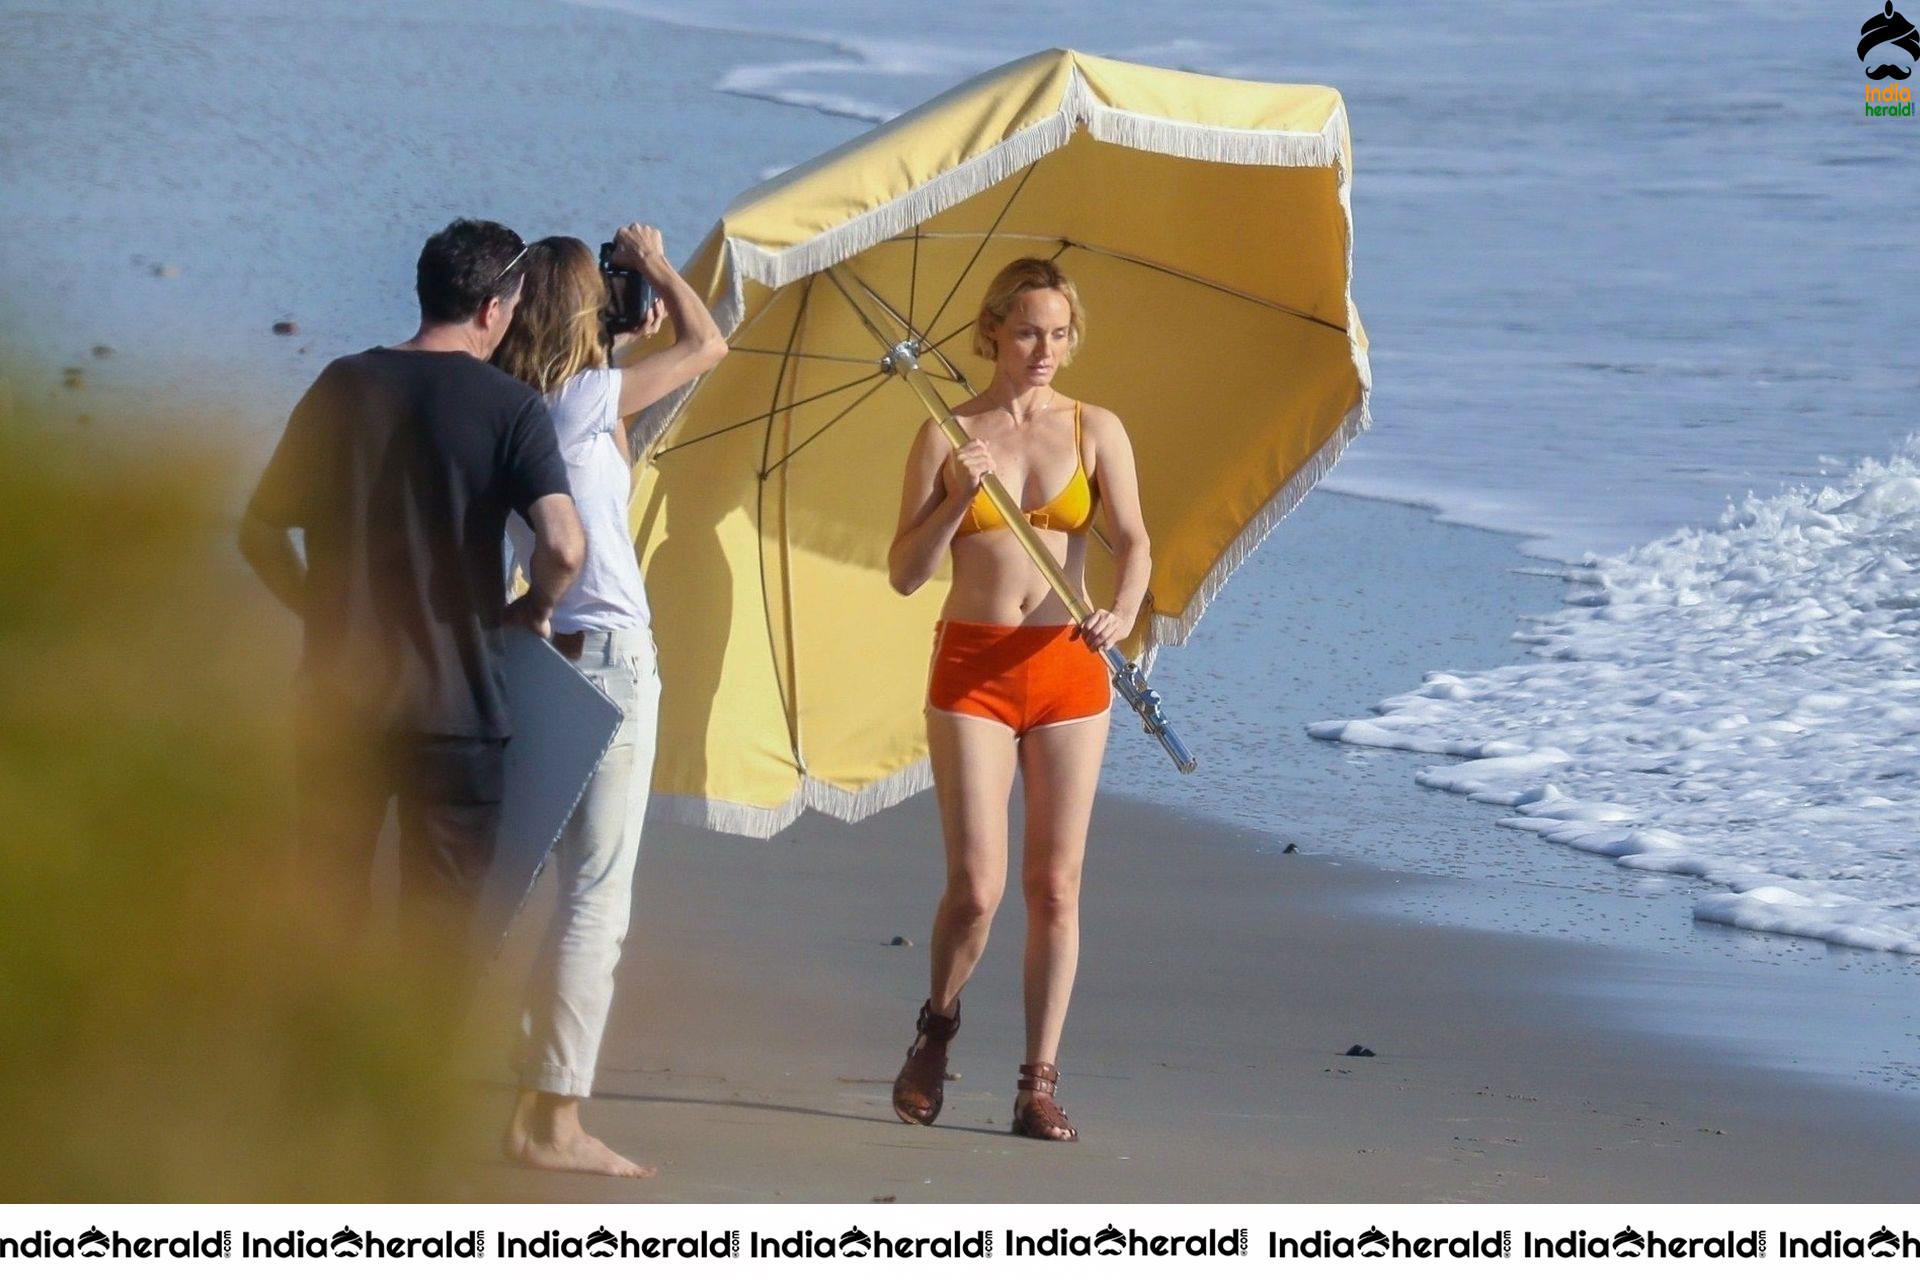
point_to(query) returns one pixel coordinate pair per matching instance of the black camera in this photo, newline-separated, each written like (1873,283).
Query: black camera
(629,295)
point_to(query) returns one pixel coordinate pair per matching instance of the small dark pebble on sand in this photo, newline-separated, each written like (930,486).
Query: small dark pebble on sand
(285,328)
(899,941)
(166,270)
(101,351)
(73,378)
(1358,1051)
(885,1199)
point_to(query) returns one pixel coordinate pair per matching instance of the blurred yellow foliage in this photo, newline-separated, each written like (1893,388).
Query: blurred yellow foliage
(180,1017)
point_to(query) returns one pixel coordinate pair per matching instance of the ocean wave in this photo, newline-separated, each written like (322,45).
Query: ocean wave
(1737,703)
(922,67)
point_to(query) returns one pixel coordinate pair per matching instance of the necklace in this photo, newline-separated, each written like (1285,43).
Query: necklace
(1018,424)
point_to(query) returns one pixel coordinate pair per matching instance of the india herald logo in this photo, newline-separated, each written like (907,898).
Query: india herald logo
(1893,43)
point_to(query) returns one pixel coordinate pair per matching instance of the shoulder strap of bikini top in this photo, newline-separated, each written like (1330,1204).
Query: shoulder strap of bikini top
(1077,404)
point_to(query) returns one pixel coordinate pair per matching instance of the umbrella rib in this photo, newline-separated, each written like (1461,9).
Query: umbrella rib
(954,374)
(795,355)
(968,235)
(937,343)
(769,414)
(1062,241)
(760,522)
(913,277)
(783,460)
(1066,243)
(997,219)
(1202,281)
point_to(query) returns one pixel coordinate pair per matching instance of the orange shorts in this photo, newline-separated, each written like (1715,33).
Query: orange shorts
(1023,677)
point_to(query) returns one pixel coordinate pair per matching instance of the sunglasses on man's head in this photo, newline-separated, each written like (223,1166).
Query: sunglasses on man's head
(512,262)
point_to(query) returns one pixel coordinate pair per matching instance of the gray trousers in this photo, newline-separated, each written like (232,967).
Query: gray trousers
(571,988)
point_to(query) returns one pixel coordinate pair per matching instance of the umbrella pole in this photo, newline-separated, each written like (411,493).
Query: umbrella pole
(903,359)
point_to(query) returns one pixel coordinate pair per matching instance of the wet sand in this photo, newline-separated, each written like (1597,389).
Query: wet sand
(763,1014)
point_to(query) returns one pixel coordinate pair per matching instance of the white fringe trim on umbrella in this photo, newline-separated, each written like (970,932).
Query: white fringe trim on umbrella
(901,215)
(1168,629)
(1222,145)
(734,818)
(1077,109)
(1361,365)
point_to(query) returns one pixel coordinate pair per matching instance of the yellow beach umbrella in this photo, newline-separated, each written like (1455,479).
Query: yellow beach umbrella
(1207,224)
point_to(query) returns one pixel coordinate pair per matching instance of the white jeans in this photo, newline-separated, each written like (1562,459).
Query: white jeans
(572,983)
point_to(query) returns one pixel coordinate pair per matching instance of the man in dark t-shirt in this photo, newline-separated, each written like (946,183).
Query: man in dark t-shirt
(399,466)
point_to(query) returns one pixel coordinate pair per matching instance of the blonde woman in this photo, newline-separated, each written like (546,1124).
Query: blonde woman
(556,344)
(1014,684)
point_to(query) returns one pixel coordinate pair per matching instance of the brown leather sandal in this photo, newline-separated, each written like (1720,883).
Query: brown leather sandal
(920,1089)
(1040,1116)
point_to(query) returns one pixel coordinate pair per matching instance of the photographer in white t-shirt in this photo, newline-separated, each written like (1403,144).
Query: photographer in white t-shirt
(557,344)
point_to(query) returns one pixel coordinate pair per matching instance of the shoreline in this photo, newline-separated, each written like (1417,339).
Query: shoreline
(1358,599)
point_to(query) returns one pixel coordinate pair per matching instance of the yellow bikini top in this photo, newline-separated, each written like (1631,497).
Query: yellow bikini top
(1071,509)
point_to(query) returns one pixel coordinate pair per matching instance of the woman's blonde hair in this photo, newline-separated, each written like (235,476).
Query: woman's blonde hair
(1021,276)
(556,330)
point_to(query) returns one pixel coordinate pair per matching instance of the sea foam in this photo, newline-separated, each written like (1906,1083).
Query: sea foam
(1739,703)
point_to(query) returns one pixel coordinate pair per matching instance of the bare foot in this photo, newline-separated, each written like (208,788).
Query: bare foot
(545,1133)
(583,1154)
